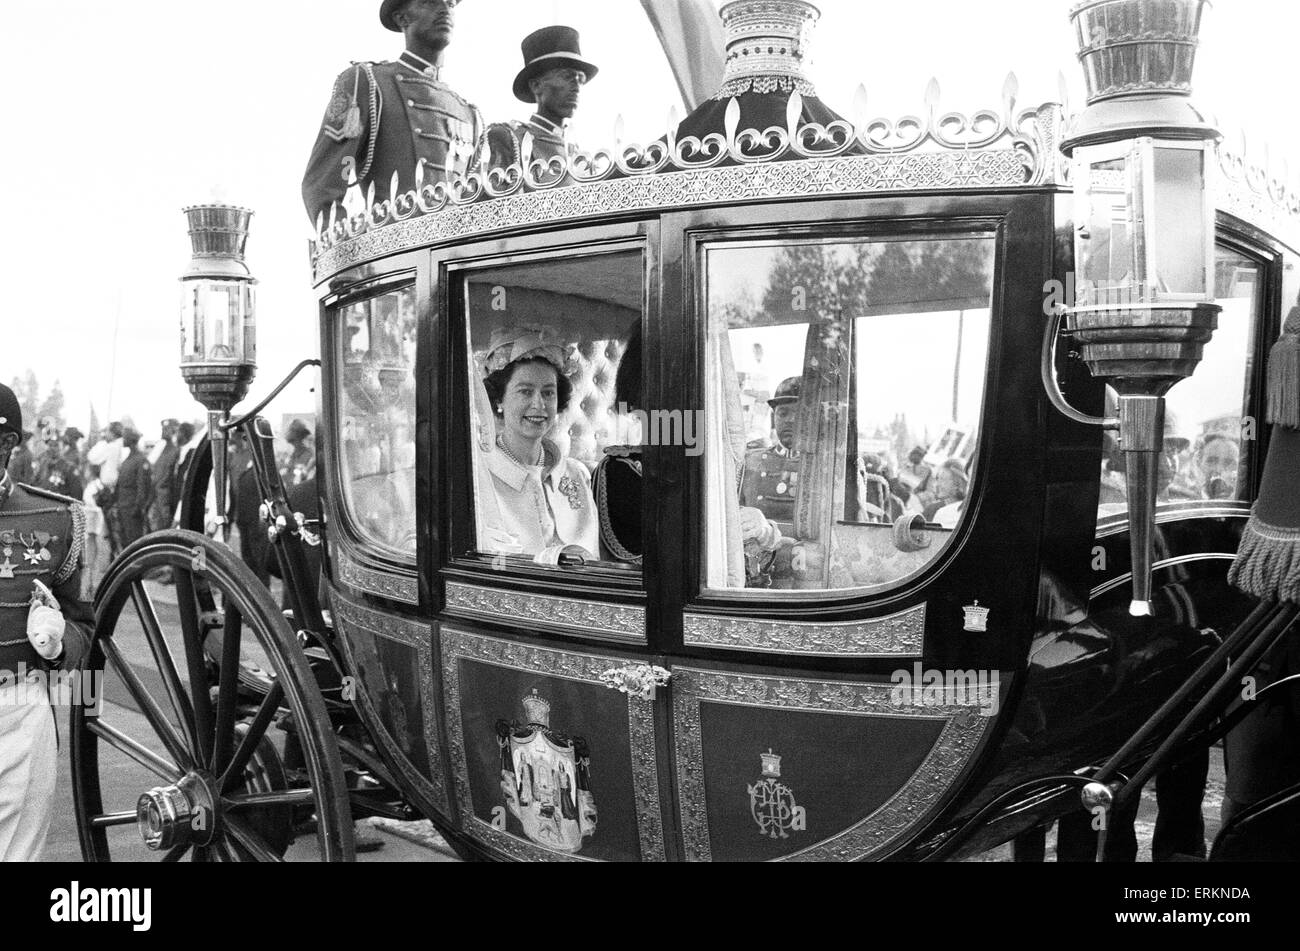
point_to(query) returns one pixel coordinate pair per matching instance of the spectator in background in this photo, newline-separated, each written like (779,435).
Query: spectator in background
(134,490)
(915,475)
(99,543)
(950,485)
(108,455)
(163,510)
(302,462)
(254,547)
(22,463)
(1217,461)
(185,445)
(60,468)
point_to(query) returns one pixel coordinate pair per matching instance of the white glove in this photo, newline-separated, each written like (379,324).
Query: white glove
(45,624)
(756,527)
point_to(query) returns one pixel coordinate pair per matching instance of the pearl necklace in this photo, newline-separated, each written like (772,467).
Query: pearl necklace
(541,453)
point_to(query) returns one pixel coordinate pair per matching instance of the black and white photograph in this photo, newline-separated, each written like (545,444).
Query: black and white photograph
(652,431)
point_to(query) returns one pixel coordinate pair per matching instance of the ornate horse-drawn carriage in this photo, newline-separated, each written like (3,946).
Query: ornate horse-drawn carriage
(888,667)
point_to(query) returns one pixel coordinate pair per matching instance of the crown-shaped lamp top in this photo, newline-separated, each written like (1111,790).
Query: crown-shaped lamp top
(218,236)
(768,37)
(1137,47)
(537,709)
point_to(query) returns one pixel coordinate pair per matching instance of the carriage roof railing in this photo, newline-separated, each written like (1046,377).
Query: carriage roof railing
(1009,147)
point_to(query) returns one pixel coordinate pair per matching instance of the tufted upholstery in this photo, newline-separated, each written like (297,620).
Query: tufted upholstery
(589,425)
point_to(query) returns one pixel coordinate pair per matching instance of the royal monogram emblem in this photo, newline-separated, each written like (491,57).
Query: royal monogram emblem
(772,804)
(570,489)
(545,777)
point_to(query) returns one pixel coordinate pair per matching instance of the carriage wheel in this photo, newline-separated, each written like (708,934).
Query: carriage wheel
(197,772)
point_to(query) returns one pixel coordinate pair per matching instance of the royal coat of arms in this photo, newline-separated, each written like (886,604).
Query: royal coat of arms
(546,779)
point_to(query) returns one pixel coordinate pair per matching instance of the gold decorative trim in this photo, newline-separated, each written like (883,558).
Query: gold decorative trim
(899,634)
(585,668)
(566,615)
(394,587)
(419,637)
(1255,193)
(962,733)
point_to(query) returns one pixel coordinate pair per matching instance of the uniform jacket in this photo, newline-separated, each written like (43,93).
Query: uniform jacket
(42,537)
(58,473)
(384,118)
(769,483)
(505,141)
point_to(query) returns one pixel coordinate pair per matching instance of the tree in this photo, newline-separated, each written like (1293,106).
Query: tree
(52,407)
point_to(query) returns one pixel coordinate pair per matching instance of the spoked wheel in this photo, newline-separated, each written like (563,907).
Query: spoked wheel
(181,763)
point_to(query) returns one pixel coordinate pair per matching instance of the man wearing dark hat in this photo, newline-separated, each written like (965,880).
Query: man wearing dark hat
(301,465)
(43,625)
(553,76)
(772,473)
(391,117)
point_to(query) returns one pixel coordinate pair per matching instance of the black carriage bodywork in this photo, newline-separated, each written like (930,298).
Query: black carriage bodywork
(443,644)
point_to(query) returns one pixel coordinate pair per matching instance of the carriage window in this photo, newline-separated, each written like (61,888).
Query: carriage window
(845,384)
(1207,416)
(555,400)
(376,413)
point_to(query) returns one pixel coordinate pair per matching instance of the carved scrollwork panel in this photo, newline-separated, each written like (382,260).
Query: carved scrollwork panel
(899,634)
(394,587)
(567,615)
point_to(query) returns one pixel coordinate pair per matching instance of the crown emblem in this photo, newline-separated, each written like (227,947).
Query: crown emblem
(771,764)
(537,710)
(977,618)
(767,37)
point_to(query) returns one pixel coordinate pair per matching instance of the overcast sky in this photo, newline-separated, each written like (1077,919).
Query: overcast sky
(121,114)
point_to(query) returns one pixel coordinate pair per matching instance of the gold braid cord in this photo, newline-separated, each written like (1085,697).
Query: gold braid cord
(76,547)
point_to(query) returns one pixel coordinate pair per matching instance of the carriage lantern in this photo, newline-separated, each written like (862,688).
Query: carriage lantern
(1143,305)
(218,321)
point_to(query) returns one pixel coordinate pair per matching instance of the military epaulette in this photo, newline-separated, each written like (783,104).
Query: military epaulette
(47,494)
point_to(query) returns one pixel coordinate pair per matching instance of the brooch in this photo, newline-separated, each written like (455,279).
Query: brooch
(571,491)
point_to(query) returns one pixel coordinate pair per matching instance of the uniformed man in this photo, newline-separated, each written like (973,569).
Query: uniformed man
(392,116)
(553,76)
(134,490)
(41,537)
(772,473)
(60,469)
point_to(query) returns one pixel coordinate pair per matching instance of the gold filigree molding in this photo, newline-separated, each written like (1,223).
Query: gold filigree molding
(394,587)
(585,668)
(899,634)
(567,615)
(960,738)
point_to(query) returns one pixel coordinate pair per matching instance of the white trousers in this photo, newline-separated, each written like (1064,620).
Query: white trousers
(28,767)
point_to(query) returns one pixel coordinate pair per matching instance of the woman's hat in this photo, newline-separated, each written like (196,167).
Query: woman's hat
(511,344)
(549,48)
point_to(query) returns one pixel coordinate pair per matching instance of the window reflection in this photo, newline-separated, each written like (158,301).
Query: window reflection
(845,386)
(1204,458)
(377,418)
(552,350)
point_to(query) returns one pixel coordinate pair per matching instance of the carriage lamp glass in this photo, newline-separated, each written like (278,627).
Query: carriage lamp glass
(1145,223)
(218,322)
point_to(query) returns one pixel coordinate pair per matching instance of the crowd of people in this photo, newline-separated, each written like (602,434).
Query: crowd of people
(130,488)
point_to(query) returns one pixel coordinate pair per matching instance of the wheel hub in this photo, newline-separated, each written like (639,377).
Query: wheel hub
(180,814)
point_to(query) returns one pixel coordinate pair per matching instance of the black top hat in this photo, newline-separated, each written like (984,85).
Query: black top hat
(787,392)
(11,414)
(549,48)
